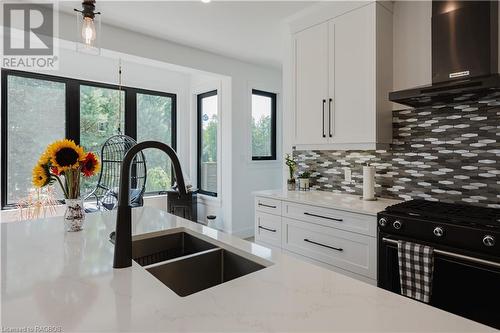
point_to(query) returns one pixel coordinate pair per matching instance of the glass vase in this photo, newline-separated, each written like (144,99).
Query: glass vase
(74,215)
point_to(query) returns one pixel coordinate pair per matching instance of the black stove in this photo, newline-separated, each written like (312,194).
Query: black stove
(465,227)
(466,243)
(450,213)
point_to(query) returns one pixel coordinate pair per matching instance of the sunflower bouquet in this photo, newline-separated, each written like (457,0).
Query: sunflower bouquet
(64,162)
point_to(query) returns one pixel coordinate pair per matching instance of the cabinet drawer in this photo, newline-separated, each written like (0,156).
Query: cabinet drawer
(267,205)
(268,228)
(363,224)
(350,251)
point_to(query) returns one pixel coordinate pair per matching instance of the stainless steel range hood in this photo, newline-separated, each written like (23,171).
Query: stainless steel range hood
(464,53)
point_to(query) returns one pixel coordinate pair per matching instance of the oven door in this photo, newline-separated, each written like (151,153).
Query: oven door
(464,285)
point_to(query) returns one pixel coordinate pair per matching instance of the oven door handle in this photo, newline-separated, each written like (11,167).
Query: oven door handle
(454,255)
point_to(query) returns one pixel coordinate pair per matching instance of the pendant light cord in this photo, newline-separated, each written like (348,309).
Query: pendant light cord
(119,130)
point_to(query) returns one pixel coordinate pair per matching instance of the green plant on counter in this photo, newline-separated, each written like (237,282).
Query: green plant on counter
(305,175)
(291,164)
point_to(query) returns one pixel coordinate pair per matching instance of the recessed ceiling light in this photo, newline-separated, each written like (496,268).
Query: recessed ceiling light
(206,1)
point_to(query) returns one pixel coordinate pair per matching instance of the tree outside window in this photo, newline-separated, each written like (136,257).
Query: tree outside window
(263,125)
(208,125)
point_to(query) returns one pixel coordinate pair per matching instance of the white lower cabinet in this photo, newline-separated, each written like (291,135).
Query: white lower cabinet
(342,241)
(347,250)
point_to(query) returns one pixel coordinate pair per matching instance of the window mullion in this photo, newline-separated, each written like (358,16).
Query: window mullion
(131,113)
(73,110)
(4,126)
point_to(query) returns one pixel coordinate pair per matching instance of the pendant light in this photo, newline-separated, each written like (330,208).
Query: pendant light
(88,26)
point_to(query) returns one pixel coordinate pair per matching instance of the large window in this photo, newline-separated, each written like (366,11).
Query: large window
(34,118)
(100,118)
(38,109)
(263,125)
(155,121)
(208,126)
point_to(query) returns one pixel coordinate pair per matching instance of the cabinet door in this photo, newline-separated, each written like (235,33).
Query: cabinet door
(352,69)
(311,90)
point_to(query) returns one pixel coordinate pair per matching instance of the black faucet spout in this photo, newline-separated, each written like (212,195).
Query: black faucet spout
(123,241)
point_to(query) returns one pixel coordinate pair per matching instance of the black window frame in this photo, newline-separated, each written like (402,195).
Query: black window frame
(199,111)
(72,121)
(173,139)
(274,98)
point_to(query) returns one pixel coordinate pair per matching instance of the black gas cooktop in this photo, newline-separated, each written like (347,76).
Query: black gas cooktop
(446,212)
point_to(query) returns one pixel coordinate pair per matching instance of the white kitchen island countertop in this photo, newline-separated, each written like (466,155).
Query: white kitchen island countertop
(66,280)
(342,201)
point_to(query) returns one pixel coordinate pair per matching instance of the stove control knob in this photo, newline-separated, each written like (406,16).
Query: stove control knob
(438,232)
(489,240)
(397,225)
(382,222)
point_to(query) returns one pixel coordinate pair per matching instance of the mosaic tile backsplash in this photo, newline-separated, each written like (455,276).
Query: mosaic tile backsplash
(448,153)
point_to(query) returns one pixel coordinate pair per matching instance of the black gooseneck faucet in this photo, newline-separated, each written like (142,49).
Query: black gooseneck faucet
(123,240)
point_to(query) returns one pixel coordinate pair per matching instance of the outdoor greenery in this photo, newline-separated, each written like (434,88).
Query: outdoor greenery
(261,136)
(98,121)
(209,141)
(36,117)
(154,115)
(208,181)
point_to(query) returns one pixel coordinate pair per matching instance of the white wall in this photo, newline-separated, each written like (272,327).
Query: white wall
(412,44)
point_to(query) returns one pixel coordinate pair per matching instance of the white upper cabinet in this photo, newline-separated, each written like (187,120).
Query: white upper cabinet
(311,51)
(343,74)
(352,76)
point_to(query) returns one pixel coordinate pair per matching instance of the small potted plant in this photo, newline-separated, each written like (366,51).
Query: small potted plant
(292,166)
(304,180)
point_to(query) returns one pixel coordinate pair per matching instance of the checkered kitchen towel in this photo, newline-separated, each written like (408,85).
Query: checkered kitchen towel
(416,265)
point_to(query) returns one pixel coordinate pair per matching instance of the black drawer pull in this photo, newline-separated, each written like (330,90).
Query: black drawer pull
(264,205)
(330,118)
(324,217)
(327,246)
(271,230)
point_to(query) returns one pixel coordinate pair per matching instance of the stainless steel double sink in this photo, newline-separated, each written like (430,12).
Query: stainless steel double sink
(187,264)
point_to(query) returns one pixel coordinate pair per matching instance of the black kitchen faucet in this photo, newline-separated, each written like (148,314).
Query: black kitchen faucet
(123,240)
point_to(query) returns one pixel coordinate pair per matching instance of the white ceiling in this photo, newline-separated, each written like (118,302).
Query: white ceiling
(247,30)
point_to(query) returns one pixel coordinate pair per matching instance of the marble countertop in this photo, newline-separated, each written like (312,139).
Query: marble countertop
(347,202)
(66,280)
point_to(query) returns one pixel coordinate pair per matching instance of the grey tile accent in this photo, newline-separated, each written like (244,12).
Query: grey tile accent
(448,153)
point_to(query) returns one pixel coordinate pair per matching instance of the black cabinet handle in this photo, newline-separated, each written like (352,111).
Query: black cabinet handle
(327,246)
(264,205)
(323,118)
(330,118)
(324,217)
(271,230)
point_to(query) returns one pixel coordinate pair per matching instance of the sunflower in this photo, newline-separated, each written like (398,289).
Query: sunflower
(41,176)
(65,154)
(44,158)
(90,166)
